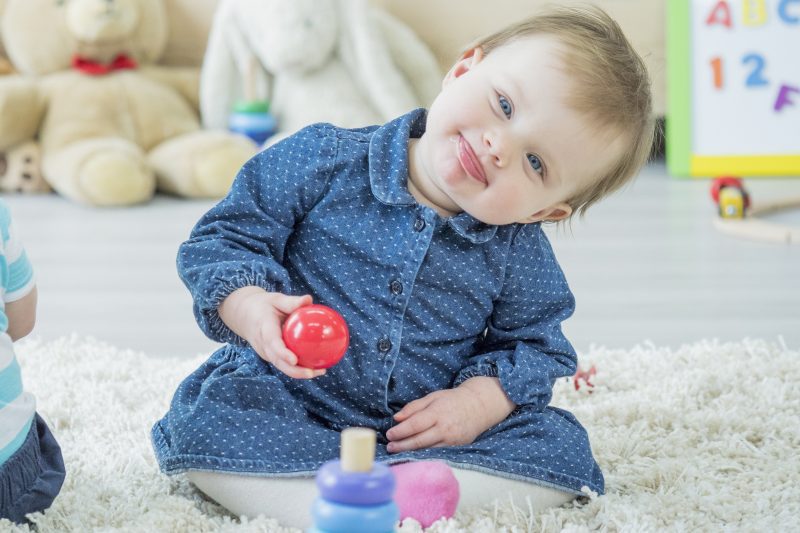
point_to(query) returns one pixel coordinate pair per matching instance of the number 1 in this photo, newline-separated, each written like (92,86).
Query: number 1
(716,66)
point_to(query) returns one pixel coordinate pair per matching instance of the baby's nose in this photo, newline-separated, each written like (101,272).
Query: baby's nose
(493,147)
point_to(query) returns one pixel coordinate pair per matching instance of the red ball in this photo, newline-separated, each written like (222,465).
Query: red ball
(317,335)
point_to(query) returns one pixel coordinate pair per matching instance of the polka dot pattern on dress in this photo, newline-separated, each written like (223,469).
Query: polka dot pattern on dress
(430,302)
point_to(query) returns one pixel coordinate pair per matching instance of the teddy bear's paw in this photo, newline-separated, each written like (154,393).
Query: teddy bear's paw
(214,171)
(201,164)
(116,179)
(102,171)
(21,169)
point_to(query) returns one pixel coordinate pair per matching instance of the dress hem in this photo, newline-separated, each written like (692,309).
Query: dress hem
(179,464)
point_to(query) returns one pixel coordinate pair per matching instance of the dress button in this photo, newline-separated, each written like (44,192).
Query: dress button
(419,224)
(384,345)
(396,287)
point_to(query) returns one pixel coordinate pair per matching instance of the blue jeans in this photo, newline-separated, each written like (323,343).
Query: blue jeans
(31,478)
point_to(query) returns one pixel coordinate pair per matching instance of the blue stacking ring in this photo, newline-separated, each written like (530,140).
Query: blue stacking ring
(338,518)
(355,488)
(259,127)
(317,530)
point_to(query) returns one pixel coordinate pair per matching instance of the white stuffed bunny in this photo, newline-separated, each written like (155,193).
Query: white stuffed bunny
(338,61)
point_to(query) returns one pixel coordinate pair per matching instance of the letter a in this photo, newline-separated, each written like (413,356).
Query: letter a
(721,14)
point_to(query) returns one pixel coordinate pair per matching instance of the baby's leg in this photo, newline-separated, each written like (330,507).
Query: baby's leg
(286,499)
(289,500)
(479,489)
(430,490)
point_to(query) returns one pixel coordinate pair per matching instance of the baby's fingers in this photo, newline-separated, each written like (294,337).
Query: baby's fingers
(427,439)
(287,304)
(297,372)
(273,350)
(284,360)
(279,351)
(415,425)
(412,407)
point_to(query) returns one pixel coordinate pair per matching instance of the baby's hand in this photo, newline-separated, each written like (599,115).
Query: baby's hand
(257,315)
(449,417)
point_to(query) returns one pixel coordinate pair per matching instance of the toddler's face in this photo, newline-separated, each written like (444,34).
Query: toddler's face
(501,142)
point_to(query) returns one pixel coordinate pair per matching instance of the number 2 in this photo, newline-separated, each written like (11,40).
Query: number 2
(756,77)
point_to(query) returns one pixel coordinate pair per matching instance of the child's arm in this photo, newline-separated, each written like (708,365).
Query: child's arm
(241,242)
(524,345)
(21,315)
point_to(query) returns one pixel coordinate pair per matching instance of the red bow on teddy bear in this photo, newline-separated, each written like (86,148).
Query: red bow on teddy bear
(94,68)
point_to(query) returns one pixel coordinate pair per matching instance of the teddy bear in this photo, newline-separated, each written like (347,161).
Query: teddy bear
(114,127)
(341,61)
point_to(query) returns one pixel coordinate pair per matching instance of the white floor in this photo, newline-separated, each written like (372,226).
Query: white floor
(646,264)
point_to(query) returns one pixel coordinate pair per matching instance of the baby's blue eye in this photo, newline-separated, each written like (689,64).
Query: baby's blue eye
(536,163)
(505,105)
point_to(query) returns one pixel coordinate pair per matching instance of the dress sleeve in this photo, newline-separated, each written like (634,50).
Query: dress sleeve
(241,241)
(524,346)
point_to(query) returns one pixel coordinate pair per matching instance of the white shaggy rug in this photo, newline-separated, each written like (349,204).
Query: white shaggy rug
(703,438)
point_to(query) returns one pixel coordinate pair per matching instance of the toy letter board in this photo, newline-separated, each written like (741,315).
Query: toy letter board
(733,87)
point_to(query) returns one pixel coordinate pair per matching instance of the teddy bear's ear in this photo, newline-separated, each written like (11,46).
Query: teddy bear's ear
(35,35)
(152,31)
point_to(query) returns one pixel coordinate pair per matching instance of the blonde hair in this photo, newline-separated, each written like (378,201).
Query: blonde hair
(611,86)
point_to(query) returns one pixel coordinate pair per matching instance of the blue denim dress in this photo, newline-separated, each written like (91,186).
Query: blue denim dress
(430,302)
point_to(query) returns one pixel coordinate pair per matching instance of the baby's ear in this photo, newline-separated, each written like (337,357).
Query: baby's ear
(468,59)
(553,213)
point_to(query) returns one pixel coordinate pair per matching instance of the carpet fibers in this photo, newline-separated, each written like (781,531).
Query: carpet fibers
(701,438)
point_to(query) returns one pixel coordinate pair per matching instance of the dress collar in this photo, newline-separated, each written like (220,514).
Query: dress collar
(388,172)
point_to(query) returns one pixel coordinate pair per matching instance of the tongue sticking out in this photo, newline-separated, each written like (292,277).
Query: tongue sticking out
(469,161)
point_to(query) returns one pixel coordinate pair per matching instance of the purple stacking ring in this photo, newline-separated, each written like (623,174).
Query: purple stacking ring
(375,487)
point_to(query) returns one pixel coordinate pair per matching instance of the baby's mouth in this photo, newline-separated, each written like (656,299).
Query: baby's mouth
(469,161)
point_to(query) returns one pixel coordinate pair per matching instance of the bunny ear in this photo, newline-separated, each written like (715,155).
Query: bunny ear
(218,74)
(412,56)
(230,70)
(363,50)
